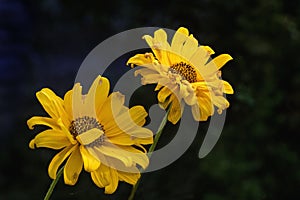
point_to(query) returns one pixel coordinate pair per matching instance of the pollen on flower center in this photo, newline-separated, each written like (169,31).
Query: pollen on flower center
(83,124)
(185,70)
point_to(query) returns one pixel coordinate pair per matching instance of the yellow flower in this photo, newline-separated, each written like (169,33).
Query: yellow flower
(95,132)
(184,73)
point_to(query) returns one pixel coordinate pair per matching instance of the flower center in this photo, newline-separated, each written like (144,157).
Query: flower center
(185,70)
(83,124)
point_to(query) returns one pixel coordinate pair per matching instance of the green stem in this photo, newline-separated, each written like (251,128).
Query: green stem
(151,149)
(54,182)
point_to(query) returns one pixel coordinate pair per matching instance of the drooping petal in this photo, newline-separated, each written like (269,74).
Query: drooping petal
(129,177)
(90,162)
(163,94)
(112,151)
(141,60)
(98,176)
(73,167)
(52,139)
(138,115)
(176,110)
(46,121)
(58,160)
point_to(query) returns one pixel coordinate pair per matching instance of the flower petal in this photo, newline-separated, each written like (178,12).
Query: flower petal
(189,47)
(227,87)
(178,40)
(141,60)
(77,103)
(46,121)
(111,108)
(52,104)
(90,162)
(73,168)
(58,160)
(128,177)
(52,139)
(176,110)
(102,92)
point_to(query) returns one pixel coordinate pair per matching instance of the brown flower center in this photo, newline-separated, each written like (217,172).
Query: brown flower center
(83,124)
(186,71)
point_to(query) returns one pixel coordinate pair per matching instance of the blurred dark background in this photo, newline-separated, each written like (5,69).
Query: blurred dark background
(257,157)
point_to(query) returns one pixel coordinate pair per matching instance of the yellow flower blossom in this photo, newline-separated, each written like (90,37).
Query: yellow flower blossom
(184,73)
(95,132)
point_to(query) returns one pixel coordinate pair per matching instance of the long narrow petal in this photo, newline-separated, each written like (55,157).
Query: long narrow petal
(68,104)
(141,60)
(89,100)
(189,47)
(176,110)
(46,121)
(58,160)
(90,162)
(77,101)
(114,181)
(111,108)
(52,139)
(50,102)
(130,178)
(178,40)
(98,176)
(102,93)
(73,168)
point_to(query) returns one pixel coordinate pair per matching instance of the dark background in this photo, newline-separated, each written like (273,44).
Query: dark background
(42,44)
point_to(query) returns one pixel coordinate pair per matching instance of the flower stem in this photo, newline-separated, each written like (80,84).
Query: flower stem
(54,182)
(151,149)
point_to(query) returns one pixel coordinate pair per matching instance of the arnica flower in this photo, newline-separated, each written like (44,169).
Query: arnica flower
(184,73)
(95,132)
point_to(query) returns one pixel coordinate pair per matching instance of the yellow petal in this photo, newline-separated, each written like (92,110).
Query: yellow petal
(138,115)
(227,87)
(106,177)
(141,59)
(189,47)
(113,176)
(58,160)
(117,153)
(216,64)
(178,40)
(98,176)
(209,50)
(89,100)
(52,139)
(111,108)
(163,94)
(130,178)
(199,58)
(102,93)
(73,168)
(90,162)
(68,104)
(52,104)
(46,121)
(77,101)
(176,110)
